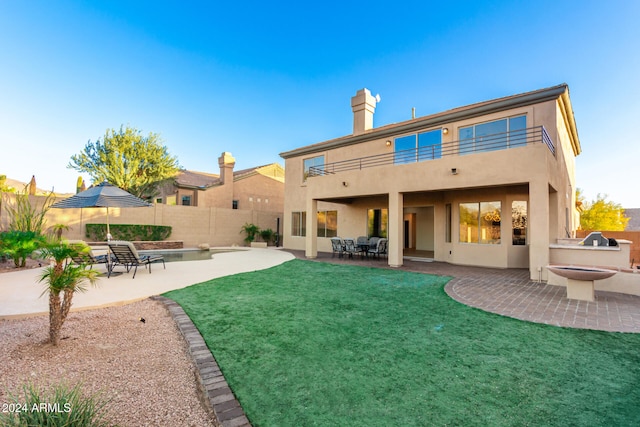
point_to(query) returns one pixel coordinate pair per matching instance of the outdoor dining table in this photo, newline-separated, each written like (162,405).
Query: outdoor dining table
(363,248)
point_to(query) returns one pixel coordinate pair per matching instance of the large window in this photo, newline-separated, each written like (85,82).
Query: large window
(327,223)
(312,162)
(519,222)
(423,146)
(490,136)
(480,222)
(299,224)
(377,220)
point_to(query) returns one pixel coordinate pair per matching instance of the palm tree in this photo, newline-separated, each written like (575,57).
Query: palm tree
(250,230)
(63,280)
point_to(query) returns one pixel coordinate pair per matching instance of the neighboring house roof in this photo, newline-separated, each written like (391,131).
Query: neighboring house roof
(634,219)
(560,92)
(273,170)
(193,179)
(203,180)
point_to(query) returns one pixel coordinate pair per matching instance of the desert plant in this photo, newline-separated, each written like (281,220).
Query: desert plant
(57,229)
(79,185)
(251,230)
(19,245)
(267,235)
(63,279)
(62,405)
(28,214)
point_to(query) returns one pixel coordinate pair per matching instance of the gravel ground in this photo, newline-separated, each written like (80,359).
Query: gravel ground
(144,368)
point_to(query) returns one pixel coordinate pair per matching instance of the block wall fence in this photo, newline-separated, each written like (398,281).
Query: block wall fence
(192,225)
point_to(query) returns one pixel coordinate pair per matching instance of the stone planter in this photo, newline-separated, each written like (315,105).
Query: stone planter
(259,244)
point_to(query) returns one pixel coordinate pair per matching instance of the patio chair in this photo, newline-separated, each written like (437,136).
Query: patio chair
(373,242)
(379,249)
(86,257)
(125,254)
(337,246)
(350,247)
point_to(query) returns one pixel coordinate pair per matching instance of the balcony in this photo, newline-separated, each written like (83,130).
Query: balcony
(486,143)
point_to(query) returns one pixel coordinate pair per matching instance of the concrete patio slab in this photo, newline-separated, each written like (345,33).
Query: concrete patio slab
(20,292)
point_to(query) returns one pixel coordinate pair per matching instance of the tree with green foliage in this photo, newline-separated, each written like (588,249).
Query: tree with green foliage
(127,159)
(601,214)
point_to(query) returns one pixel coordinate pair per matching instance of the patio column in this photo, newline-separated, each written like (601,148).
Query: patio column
(395,233)
(538,233)
(311,241)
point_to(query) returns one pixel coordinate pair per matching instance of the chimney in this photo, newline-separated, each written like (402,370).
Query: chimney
(363,106)
(226,163)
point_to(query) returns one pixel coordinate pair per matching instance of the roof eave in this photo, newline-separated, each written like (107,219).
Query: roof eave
(570,122)
(481,109)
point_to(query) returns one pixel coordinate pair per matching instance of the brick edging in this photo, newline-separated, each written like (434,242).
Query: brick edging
(219,395)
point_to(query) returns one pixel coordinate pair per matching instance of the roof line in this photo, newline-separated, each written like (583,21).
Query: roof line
(457,114)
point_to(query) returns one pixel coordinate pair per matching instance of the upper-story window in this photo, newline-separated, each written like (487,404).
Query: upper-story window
(495,135)
(418,147)
(312,162)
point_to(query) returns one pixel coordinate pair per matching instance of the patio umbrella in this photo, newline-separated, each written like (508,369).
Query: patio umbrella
(103,195)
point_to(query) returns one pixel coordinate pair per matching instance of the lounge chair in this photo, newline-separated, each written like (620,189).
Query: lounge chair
(86,257)
(337,246)
(124,253)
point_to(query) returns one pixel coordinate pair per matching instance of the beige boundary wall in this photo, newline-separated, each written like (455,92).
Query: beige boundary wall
(192,225)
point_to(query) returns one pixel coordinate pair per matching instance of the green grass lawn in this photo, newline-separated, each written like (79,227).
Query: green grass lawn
(308,343)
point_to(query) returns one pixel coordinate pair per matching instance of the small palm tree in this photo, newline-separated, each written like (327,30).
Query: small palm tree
(250,230)
(56,230)
(63,280)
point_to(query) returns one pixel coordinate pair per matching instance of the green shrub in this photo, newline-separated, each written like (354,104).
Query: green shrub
(128,232)
(61,406)
(19,245)
(267,235)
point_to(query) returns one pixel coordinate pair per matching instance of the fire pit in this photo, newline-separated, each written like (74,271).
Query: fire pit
(580,280)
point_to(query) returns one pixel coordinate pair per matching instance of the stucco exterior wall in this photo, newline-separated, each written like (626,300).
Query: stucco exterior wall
(531,173)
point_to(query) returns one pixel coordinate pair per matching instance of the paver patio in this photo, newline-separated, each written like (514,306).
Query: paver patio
(510,292)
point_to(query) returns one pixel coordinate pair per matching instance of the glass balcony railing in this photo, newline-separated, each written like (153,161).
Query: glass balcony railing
(480,144)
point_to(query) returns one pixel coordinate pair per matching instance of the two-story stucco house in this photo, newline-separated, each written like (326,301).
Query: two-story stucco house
(489,184)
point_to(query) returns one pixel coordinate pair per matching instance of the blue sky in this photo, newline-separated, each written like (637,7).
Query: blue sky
(259,78)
